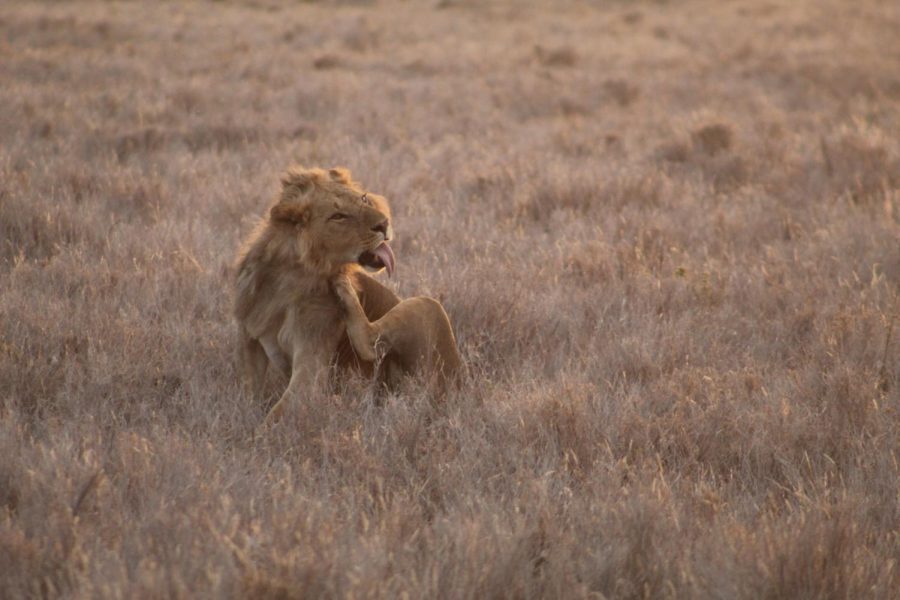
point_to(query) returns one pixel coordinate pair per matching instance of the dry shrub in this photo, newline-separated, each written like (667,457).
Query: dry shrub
(711,149)
(623,92)
(361,36)
(590,263)
(862,162)
(674,151)
(34,234)
(569,192)
(713,139)
(153,140)
(139,142)
(563,56)
(805,557)
(327,61)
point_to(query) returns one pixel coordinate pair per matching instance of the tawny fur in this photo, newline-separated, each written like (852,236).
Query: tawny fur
(416,330)
(288,313)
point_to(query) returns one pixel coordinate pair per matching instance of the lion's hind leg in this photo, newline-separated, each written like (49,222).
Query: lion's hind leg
(416,333)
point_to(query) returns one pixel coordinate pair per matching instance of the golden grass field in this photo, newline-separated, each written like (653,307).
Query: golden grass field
(667,235)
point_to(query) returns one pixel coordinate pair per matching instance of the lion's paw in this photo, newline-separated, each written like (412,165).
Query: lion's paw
(344,289)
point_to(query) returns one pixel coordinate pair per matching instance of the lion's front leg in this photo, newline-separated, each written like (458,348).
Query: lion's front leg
(359,329)
(309,371)
(253,364)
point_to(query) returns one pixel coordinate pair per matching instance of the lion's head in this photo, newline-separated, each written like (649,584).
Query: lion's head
(333,221)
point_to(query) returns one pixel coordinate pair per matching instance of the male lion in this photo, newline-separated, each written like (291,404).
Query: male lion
(304,303)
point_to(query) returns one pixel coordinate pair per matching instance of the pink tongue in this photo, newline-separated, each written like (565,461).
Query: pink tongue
(386,255)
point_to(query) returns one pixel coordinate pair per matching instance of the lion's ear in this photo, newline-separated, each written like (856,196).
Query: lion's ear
(298,178)
(290,213)
(340,174)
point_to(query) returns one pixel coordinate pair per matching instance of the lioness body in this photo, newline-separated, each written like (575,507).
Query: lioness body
(319,232)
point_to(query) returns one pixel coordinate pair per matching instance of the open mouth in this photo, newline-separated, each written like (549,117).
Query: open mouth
(381,257)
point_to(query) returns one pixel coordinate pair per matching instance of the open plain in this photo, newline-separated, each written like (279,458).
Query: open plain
(667,235)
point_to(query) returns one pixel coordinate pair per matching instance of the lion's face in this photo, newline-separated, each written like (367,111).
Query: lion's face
(334,221)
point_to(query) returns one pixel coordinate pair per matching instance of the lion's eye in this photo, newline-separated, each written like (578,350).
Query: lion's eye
(337,217)
(365,199)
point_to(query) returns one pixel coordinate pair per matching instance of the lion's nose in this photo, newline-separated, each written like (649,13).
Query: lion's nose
(382,227)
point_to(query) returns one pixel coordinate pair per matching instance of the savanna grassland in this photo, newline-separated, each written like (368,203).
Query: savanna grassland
(667,234)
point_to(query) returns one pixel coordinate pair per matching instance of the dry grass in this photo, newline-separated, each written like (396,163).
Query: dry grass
(668,235)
